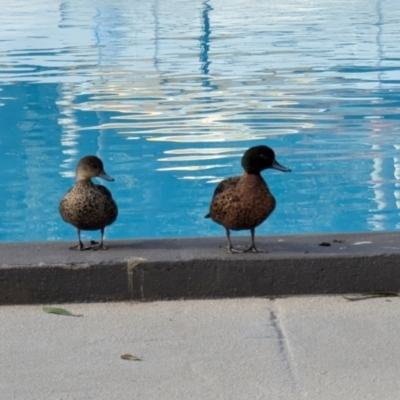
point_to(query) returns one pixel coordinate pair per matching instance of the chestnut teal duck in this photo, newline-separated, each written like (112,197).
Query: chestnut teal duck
(87,206)
(244,202)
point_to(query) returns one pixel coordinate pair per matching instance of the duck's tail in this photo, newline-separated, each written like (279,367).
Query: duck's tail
(208,216)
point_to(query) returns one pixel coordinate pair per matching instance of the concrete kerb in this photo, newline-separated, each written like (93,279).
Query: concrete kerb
(147,270)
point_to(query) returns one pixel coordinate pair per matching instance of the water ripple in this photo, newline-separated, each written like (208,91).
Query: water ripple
(170,94)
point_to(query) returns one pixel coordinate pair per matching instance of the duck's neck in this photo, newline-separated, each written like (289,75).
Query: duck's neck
(253,177)
(252,174)
(83,181)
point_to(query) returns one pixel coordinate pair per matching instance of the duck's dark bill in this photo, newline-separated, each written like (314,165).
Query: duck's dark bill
(105,176)
(279,167)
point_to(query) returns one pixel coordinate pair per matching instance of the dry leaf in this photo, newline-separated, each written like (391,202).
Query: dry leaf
(371,295)
(130,357)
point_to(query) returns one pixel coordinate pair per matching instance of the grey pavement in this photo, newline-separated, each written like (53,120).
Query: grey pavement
(199,268)
(312,347)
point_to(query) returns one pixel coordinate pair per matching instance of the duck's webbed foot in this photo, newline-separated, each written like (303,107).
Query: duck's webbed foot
(80,247)
(99,246)
(253,247)
(234,250)
(230,248)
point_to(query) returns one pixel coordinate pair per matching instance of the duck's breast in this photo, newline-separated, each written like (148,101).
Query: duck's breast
(87,207)
(244,205)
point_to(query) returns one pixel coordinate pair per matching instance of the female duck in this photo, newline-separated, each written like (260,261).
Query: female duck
(87,206)
(244,202)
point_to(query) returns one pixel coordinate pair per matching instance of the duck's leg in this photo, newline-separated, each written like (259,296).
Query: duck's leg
(80,246)
(253,247)
(100,246)
(231,249)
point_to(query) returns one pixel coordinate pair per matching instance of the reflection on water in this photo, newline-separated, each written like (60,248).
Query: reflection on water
(170,94)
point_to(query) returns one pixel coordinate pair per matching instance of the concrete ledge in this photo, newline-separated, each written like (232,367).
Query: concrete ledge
(147,270)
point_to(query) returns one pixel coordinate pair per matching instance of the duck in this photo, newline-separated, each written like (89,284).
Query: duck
(244,202)
(87,206)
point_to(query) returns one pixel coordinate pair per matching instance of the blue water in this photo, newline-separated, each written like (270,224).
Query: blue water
(170,93)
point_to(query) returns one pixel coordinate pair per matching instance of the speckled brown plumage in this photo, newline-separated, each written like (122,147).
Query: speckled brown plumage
(88,206)
(244,202)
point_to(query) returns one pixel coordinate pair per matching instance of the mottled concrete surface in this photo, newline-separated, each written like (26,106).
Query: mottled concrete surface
(289,348)
(199,268)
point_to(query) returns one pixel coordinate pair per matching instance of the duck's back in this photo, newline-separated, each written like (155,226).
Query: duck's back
(88,206)
(242,202)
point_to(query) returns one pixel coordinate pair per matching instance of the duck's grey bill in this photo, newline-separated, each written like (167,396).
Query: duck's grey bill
(105,176)
(280,167)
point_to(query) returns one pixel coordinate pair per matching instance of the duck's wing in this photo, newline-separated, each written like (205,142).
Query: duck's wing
(223,186)
(110,211)
(61,206)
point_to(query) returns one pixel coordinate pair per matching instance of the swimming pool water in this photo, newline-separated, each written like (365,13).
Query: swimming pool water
(170,93)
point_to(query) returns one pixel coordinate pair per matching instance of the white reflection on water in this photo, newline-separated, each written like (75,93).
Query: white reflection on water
(193,167)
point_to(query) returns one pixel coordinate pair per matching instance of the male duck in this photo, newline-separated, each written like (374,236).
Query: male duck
(244,202)
(87,206)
